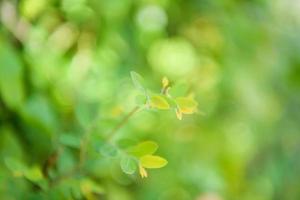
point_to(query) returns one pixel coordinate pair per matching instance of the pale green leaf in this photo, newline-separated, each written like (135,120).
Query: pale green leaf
(186,105)
(143,148)
(159,102)
(15,166)
(128,164)
(34,174)
(150,161)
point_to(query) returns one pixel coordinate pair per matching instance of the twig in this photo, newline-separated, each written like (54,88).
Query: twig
(113,132)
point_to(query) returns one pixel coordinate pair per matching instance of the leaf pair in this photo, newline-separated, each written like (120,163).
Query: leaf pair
(142,154)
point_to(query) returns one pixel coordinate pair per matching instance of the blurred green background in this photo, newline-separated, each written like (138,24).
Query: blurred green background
(64,61)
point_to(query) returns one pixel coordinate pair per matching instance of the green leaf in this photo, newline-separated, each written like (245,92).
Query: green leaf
(150,161)
(15,166)
(69,140)
(186,105)
(138,81)
(11,76)
(159,102)
(144,148)
(128,164)
(34,174)
(109,150)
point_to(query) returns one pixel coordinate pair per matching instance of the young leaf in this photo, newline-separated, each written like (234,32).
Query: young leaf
(109,150)
(186,105)
(138,81)
(159,102)
(128,164)
(144,148)
(150,161)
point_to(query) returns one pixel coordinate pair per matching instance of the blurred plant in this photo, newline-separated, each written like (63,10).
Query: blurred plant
(132,156)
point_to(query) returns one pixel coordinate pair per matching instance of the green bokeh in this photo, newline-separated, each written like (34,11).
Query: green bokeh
(65,66)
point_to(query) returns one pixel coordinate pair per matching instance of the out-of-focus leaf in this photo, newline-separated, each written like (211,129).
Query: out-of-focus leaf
(159,102)
(144,148)
(11,76)
(109,150)
(138,81)
(66,161)
(69,140)
(128,164)
(186,105)
(150,161)
(89,187)
(15,166)
(34,174)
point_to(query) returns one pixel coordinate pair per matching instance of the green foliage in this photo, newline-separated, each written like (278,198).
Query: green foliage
(150,161)
(143,148)
(158,102)
(91,94)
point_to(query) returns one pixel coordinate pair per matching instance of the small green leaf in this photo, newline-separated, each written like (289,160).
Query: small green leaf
(34,174)
(69,140)
(159,102)
(186,105)
(138,81)
(143,148)
(109,150)
(150,161)
(128,164)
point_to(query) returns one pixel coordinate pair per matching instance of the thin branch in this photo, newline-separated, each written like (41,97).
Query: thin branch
(113,132)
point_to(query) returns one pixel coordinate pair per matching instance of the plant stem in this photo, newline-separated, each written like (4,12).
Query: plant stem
(113,132)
